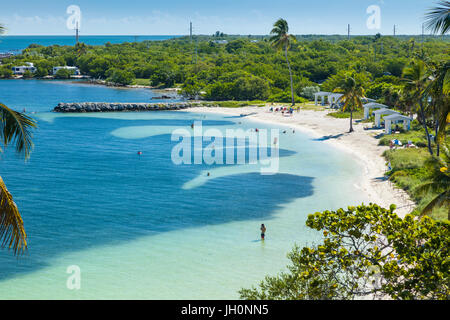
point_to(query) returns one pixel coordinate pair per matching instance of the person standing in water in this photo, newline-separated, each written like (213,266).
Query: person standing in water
(263,231)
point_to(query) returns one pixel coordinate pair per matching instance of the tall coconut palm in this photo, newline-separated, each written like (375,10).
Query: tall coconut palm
(438,89)
(15,127)
(438,18)
(353,93)
(282,40)
(416,79)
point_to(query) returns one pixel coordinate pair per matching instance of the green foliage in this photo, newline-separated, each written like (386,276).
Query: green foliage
(238,86)
(308,92)
(191,88)
(41,72)
(366,251)
(63,74)
(410,171)
(5,72)
(346,114)
(312,59)
(285,97)
(121,77)
(27,74)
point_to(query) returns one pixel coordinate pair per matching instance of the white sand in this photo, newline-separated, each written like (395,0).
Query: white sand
(360,143)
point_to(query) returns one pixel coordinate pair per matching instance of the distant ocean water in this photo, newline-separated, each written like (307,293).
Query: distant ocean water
(141,227)
(16,44)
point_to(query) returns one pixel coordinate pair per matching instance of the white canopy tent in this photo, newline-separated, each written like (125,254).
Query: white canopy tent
(372,105)
(382,112)
(395,118)
(332,97)
(322,95)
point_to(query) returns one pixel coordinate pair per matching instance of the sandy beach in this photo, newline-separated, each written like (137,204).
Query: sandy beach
(360,143)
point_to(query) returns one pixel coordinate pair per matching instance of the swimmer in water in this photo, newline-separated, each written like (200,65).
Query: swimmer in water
(263,231)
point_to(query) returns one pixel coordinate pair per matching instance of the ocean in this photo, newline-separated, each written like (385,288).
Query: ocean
(15,44)
(138,226)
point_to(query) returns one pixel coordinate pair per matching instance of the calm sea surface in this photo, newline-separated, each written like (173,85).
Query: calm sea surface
(141,227)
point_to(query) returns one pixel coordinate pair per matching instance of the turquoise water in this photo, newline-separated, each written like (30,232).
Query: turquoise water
(140,227)
(16,44)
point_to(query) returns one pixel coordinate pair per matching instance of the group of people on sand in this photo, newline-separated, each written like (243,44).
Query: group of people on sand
(283,110)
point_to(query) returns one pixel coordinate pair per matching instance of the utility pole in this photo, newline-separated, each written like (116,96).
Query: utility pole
(348,32)
(190,31)
(394,30)
(76,33)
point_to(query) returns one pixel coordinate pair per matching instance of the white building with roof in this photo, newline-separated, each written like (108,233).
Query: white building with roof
(382,112)
(396,118)
(22,69)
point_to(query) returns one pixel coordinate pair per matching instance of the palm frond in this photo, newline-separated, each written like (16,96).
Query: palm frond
(439,201)
(12,232)
(438,18)
(15,127)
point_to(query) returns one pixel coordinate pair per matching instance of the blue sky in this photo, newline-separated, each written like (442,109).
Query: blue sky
(171,17)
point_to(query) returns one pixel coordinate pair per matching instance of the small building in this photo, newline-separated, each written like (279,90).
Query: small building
(22,69)
(75,70)
(372,105)
(382,112)
(396,118)
(332,97)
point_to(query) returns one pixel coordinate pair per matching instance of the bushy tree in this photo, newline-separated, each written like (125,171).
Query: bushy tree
(63,73)
(121,77)
(367,251)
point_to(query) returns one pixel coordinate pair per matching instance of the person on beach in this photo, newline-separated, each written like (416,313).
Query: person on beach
(263,231)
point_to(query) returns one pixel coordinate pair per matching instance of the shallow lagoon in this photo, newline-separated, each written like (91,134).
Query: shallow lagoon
(141,227)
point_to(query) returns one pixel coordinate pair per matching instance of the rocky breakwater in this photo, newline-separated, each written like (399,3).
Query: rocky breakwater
(118,107)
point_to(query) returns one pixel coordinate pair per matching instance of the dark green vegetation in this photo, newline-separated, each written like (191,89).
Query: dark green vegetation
(366,250)
(244,68)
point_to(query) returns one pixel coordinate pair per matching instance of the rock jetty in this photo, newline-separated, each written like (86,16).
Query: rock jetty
(118,107)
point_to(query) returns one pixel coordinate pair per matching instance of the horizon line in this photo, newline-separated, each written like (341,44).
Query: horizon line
(187,35)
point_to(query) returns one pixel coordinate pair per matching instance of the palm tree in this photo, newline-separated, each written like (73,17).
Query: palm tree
(439,183)
(15,127)
(438,18)
(416,77)
(352,92)
(438,89)
(282,40)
